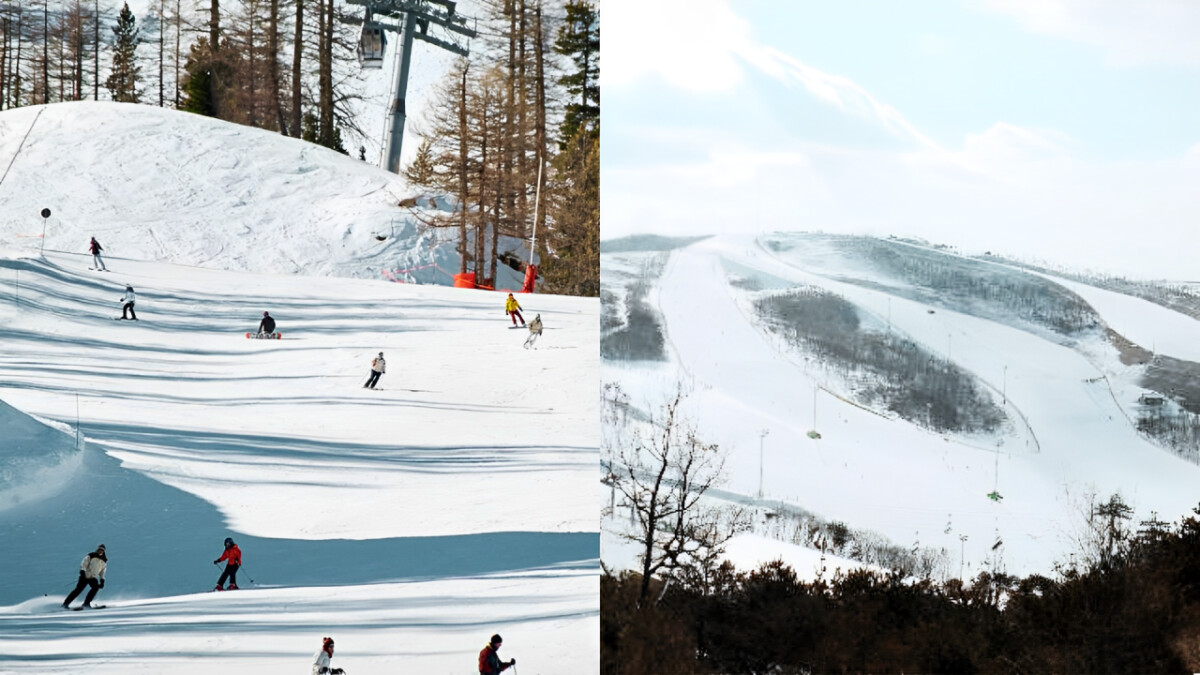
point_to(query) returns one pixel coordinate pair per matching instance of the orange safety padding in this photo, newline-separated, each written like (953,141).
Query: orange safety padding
(530,278)
(464,280)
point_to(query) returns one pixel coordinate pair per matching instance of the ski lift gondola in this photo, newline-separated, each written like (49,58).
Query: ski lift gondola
(371,45)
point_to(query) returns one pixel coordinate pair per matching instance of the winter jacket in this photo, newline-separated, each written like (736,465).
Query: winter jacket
(128,298)
(379,365)
(267,325)
(95,247)
(321,663)
(489,662)
(510,304)
(233,554)
(93,566)
(535,326)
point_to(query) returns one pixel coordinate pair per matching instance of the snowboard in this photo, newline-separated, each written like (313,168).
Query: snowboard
(81,608)
(268,336)
(96,269)
(121,318)
(514,327)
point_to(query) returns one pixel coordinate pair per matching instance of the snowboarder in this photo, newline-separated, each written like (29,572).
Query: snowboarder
(95,248)
(513,309)
(378,367)
(267,325)
(234,555)
(322,658)
(91,573)
(489,660)
(535,331)
(128,300)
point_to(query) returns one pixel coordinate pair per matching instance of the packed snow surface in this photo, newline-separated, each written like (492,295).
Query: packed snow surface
(1070,406)
(409,522)
(158,184)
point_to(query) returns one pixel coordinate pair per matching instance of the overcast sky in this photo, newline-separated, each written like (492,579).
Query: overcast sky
(1067,132)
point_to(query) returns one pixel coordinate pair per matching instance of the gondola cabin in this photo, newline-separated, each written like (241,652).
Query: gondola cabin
(371,45)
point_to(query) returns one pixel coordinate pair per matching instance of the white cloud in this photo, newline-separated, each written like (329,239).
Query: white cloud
(1158,32)
(692,44)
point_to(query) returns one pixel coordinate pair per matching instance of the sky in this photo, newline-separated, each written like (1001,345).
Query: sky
(1060,132)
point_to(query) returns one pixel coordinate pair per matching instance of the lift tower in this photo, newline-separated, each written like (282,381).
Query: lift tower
(412,19)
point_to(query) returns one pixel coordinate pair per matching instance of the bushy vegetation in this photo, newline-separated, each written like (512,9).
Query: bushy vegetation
(891,372)
(1134,609)
(646,242)
(964,285)
(638,335)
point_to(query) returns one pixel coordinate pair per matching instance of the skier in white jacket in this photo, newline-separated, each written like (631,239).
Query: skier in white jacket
(128,299)
(322,658)
(91,573)
(378,367)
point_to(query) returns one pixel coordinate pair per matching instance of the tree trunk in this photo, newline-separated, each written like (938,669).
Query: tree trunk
(273,66)
(542,140)
(462,172)
(297,49)
(162,50)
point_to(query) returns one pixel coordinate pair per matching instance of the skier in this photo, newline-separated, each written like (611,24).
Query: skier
(234,555)
(535,331)
(91,573)
(95,248)
(321,660)
(127,308)
(378,367)
(512,308)
(267,325)
(489,660)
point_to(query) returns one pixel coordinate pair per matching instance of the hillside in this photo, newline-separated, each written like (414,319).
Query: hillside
(932,380)
(410,522)
(162,185)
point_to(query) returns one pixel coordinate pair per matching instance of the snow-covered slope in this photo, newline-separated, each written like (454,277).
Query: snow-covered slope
(1069,402)
(158,184)
(410,522)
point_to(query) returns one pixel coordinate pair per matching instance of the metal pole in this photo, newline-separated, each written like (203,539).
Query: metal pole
(396,137)
(761,435)
(42,251)
(536,203)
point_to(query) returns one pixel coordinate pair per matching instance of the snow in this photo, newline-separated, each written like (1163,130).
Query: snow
(157,184)
(1070,433)
(409,523)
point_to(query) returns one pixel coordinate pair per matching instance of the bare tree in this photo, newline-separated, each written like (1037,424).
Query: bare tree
(663,472)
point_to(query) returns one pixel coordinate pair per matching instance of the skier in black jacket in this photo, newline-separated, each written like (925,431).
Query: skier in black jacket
(267,325)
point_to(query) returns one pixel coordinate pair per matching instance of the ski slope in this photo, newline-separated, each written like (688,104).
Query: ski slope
(157,184)
(1068,403)
(409,523)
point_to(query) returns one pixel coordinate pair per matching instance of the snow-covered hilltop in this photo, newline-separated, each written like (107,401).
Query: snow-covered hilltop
(932,382)
(158,184)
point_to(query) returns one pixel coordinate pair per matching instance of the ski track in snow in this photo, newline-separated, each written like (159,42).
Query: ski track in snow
(409,523)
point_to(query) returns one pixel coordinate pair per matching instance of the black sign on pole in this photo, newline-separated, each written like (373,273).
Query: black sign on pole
(45,219)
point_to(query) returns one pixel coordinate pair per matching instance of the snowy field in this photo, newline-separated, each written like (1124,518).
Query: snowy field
(1069,406)
(409,523)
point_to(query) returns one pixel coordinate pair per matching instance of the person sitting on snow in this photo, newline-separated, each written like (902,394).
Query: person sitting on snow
(322,658)
(91,573)
(234,555)
(267,325)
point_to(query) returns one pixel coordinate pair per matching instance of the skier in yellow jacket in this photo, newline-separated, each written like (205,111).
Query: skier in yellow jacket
(513,309)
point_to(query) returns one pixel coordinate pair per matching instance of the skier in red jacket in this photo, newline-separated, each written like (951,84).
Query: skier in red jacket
(234,555)
(489,659)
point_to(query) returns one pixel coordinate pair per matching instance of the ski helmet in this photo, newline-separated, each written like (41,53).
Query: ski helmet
(381,354)
(228,542)
(327,643)
(496,639)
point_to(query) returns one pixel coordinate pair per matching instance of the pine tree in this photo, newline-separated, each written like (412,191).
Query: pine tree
(420,171)
(574,208)
(579,40)
(197,88)
(123,82)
